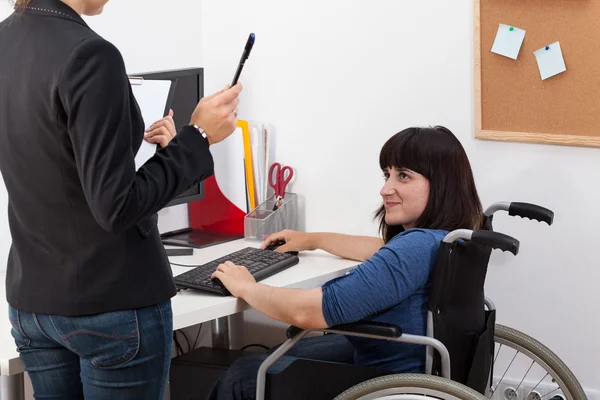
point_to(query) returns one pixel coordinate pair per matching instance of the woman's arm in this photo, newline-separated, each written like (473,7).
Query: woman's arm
(357,248)
(298,307)
(102,121)
(393,274)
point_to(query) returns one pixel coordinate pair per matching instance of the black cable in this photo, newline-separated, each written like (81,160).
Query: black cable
(186,340)
(184,265)
(197,336)
(254,345)
(179,349)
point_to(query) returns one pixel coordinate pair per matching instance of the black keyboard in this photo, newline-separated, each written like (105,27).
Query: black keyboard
(260,263)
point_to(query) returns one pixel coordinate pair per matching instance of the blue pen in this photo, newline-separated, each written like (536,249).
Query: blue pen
(245,54)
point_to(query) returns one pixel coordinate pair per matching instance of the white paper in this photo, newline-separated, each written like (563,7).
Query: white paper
(257,167)
(507,42)
(228,156)
(550,61)
(151,97)
(259,158)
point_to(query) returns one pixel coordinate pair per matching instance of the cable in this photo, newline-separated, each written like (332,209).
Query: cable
(197,336)
(254,345)
(179,349)
(184,265)
(186,340)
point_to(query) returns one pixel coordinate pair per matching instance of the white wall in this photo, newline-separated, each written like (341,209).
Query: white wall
(337,78)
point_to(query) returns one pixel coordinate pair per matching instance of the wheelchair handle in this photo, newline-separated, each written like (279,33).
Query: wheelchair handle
(531,211)
(524,210)
(495,240)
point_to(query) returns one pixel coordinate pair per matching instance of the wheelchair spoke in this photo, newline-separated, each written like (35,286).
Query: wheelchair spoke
(549,393)
(539,362)
(499,348)
(517,366)
(505,372)
(541,380)
(525,376)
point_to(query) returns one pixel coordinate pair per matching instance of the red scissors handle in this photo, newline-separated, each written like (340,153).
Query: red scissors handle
(278,179)
(283,181)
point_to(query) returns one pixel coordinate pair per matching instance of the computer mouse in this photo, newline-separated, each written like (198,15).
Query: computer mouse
(275,245)
(278,243)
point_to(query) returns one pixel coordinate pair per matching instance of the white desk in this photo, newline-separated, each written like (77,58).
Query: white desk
(189,307)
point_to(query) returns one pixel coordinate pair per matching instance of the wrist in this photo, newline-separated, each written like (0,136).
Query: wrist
(314,240)
(246,288)
(200,131)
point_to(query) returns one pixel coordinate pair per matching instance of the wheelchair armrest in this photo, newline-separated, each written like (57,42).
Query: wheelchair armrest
(362,327)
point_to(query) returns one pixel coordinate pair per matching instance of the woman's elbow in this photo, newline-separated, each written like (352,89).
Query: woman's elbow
(311,320)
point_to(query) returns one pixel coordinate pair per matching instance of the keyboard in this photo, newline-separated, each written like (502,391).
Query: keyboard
(260,263)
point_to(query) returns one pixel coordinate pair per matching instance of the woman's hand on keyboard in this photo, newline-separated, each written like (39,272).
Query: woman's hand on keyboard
(235,278)
(294,241)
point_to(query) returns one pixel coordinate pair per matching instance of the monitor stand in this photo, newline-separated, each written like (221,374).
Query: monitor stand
(197,238)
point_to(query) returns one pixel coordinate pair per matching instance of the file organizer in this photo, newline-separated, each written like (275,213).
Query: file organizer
(263,221)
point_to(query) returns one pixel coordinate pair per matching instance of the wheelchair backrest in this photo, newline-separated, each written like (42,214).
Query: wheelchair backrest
(457,306)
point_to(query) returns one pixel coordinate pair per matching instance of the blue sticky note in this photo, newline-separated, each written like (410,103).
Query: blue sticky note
(550,60)
(508,41)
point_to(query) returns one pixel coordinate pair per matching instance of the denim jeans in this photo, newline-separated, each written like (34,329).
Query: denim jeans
(116,355)
(239,382)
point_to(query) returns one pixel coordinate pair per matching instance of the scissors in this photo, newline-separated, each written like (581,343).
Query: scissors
(278,181)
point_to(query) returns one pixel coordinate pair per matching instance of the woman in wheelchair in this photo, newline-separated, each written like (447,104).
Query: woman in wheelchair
(429,190)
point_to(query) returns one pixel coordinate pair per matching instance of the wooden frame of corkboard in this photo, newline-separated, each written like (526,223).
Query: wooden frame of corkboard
(512,103)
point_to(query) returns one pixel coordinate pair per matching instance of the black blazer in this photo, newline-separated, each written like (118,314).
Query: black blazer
(82,220)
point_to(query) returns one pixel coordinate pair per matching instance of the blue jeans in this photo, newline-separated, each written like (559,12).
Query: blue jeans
(116,355)
(239,382)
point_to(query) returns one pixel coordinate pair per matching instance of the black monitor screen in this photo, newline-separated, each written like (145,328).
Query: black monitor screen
(189,89)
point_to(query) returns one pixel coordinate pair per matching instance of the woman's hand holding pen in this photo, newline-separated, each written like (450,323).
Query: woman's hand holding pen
(217,113)
(162,131)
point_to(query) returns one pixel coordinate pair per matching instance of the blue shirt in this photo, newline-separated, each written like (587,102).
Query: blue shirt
(392,286)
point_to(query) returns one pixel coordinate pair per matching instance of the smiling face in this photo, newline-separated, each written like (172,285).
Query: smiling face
(405,195)
(429,183)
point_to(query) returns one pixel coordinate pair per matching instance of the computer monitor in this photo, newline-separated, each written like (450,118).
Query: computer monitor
(189,89)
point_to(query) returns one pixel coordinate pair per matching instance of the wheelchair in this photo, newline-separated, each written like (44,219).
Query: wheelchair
(463,343)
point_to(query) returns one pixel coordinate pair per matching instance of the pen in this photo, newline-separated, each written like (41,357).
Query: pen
(245,54)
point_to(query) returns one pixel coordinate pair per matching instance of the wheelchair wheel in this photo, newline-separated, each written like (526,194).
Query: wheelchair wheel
(409,387)
(542,369)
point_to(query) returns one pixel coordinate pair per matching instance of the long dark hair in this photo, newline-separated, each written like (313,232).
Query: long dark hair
(439,156)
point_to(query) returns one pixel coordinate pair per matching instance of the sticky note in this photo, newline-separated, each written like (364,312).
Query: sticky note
(508,41)
(550,60)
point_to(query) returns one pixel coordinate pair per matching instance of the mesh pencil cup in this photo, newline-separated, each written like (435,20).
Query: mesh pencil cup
(263,221)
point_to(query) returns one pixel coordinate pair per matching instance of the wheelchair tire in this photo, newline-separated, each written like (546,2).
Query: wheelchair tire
(433,387)
(527,345)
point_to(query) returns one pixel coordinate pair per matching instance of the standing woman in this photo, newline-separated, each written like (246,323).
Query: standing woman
(88,281)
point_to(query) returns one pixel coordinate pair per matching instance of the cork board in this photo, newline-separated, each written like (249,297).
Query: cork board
(512,102)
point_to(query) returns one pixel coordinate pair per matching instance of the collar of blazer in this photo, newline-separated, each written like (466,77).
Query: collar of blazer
(55,8)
